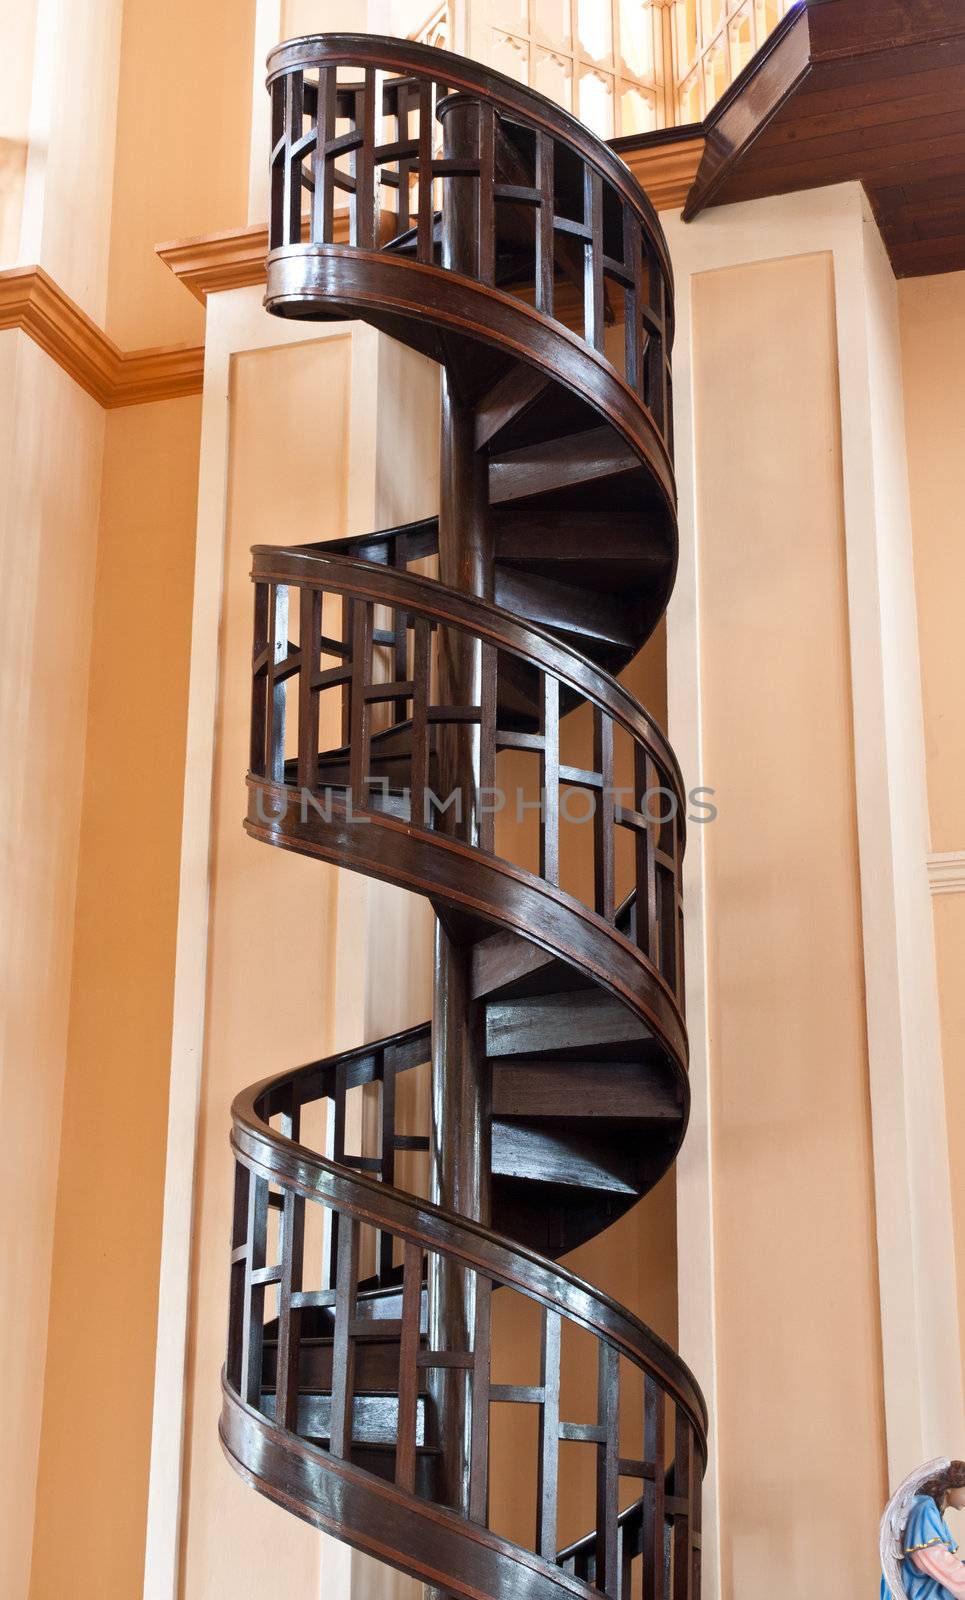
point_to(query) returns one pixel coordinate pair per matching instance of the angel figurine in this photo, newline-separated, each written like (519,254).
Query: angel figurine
(917,1548)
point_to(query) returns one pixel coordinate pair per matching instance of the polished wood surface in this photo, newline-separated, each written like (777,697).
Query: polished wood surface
(359,1380)
(854,89)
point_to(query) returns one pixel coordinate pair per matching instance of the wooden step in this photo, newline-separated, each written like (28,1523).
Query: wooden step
(616,1092)
(537,469)
(582,614)
(574,1020)
(376,1365)
(566,1155)
(375,1417)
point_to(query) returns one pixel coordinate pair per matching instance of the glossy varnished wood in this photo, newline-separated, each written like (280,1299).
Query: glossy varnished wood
(853,89)
(557,1047)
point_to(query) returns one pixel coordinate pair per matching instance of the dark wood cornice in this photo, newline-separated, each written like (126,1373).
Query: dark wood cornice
(745,109)
(853,90)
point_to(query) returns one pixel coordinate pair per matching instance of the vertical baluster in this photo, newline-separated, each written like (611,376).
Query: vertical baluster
(655,382)
(279,165)
(419,774)
(489,666)
(336,1143)
(323,208)
(294,122)
(549,1435)
(479,1444)
(239,1273)
(309,633)
(545,232)
(399,558)
(625,1560)
(426,126)
(682,1564)
(633,308)
(364,226)
(275,691)
(603,817)
(487,206)
(549,832)
(343,1344)
(405,1448)
(387,1148)
(646,869)
(289,1318)
(361,709)
(671,954)
(593,296)
(399,99)
(654,1495)
(608,1471)
(257,760)
(254,1312)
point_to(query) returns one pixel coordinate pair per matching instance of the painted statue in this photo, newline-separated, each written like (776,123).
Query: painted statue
(918,1556)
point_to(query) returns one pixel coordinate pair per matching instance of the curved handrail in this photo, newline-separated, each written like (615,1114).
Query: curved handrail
(605,217)
(452,608)
(433,684)
(296,1167)
(409,56)
(297,274)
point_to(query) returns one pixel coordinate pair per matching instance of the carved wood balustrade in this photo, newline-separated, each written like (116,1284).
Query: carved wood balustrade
(437,706)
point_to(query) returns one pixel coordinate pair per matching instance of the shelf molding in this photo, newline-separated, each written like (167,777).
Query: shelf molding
(946,872)
(32,301)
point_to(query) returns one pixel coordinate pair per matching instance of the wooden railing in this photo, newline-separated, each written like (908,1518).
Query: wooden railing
(324,1298)
(524,168)
(384,655)
(491,231)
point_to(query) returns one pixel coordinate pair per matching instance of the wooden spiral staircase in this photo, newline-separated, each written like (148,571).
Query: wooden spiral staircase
(400,680)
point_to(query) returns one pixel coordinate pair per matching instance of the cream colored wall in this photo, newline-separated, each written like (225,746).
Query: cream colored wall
(17,28)
(62,113)
(70,161)
(269,996)
(51,438)
(933,359)
(362,962)
(89,1531)
(800,1409)
(183,128)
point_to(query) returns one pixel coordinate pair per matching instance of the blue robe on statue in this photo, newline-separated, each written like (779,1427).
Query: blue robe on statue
(926,1526)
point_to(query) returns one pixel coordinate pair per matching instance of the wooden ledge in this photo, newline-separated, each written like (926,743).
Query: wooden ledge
(233,259)
(664,163)
(32,301)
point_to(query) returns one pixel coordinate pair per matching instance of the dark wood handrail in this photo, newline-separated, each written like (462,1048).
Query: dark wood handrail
(295,1167)
(491,232)
(396,55)
(527,641)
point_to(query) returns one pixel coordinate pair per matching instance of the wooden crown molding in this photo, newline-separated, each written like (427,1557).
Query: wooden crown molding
(32,301)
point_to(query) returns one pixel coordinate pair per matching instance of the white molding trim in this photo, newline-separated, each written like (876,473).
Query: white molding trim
(919,1313)
(236,323)
(946,872)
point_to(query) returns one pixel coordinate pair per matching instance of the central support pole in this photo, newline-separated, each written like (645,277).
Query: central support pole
(460,1092)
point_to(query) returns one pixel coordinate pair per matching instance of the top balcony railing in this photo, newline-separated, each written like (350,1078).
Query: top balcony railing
(369,154)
